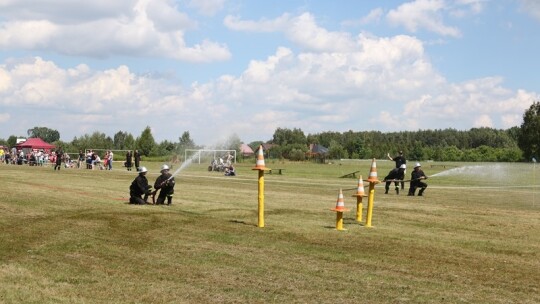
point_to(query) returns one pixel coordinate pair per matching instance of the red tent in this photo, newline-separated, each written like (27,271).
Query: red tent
(35,143)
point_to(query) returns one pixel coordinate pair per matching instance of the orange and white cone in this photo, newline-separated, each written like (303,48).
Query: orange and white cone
(259,164)
(360,191)
(340,204)
(372,178)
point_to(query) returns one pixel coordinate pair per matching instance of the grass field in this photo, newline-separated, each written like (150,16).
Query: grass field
(69,236)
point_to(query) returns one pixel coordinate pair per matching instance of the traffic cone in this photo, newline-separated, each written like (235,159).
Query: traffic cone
(360,192)
(340,204)
(373,173)
(259,164)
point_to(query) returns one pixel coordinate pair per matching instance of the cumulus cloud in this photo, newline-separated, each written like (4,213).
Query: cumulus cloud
(103,28)
(429,15)
(302,30)
(422,14)
(336,81)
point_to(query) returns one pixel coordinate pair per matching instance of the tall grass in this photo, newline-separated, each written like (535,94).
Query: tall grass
(71,237)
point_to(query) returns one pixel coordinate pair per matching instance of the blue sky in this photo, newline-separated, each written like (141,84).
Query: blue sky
(222,67)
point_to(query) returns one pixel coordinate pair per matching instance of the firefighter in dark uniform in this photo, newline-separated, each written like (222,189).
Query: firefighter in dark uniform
(416,181)
(395,175)
(165,182)
(138,188)
(400,160)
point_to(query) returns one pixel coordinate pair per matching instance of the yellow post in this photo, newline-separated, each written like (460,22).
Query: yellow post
(261,199)
(259,166)
(339,220)
(359,207)
(370,204)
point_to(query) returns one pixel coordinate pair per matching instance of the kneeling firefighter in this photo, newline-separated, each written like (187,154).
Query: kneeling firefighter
(138,188)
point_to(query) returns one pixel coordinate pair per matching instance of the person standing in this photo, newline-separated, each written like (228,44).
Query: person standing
(81,159)
(395,175)
(129,158)
(400,160)
(110,159)
(137,157)
(416,181)
(166,183)
(59,157)
(138,188)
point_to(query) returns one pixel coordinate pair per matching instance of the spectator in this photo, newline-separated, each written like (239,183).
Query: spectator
(129,158)
(110,159)
(81,159)
(137,157)
(229,171)
(59,157)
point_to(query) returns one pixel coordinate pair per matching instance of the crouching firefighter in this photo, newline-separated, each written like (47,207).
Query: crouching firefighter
(138,188)
(165,182)
(396,175)
(417,177)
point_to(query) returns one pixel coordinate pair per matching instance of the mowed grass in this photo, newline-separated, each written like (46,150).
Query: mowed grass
(71,237)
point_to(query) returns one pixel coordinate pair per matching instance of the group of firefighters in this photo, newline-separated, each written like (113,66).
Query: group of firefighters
(140,190)
(397,176)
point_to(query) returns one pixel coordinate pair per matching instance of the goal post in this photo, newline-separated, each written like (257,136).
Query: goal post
(208,155)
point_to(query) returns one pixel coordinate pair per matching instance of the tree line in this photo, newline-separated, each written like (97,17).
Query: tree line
(477,144)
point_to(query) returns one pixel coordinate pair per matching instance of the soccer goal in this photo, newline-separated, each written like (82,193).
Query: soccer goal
(208,155)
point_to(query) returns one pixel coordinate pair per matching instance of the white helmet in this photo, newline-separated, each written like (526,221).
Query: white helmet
(417,165)
(164,167)
(403,166)
(143,170)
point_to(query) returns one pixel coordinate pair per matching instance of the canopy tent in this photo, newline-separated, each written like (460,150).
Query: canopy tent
(33,144)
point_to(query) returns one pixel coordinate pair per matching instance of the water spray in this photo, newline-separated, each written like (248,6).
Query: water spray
(184,165)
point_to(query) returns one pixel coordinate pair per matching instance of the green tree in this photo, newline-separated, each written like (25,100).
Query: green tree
(285,137)
(529,135)
(97,140)
(337,151)
(48,135)
(123,141)
(164,148)
(146,142)
(185,142)
(12,140)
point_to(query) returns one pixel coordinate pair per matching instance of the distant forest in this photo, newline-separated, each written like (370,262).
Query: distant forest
(477,144)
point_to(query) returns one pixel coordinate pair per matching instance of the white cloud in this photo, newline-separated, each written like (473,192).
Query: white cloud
(207,7)
(264,25)
(531,7)
(422,14)
(336,81)
(373,16)
(302,30)
(133,28)
(483,121)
